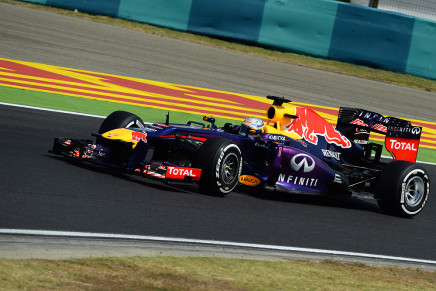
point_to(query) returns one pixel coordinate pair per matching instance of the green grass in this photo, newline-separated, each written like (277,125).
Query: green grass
(90,106)
(194,273)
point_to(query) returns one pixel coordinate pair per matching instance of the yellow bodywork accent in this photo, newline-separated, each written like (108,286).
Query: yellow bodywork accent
(275,125)
(123,134)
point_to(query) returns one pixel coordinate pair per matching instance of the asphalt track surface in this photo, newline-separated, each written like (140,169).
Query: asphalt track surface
(39,191)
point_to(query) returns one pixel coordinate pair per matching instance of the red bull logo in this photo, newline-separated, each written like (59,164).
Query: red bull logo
(137,136)
(310,126)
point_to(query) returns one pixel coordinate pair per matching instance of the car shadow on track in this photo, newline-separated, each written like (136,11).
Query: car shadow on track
(134,178)
(318,200)
(114,172)
(356,203)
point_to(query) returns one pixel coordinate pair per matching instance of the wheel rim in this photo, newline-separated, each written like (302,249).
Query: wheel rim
(134,124)
(229,168)
(414,191)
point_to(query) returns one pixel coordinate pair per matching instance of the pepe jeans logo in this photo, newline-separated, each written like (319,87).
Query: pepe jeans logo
(249,180)
(302,161)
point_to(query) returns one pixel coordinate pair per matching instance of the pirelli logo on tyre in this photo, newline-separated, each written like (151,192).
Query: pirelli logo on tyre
(249,180)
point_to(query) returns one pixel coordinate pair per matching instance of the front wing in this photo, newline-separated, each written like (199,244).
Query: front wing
(123,158)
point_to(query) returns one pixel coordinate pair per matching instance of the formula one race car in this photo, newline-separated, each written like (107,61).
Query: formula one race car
(296,150)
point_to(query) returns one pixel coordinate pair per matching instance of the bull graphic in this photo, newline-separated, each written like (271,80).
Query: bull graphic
(309,125)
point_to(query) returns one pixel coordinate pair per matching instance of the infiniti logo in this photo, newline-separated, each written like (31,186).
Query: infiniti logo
(416,130)
(302,160)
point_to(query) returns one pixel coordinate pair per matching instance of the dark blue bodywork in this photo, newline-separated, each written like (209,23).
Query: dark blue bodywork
(297,164)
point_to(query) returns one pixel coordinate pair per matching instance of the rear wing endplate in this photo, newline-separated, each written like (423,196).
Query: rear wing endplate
(403,143)
(402,138)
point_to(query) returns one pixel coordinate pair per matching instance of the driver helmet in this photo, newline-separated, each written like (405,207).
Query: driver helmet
(252,125)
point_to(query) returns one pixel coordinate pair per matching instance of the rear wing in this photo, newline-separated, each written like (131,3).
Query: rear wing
(402,138)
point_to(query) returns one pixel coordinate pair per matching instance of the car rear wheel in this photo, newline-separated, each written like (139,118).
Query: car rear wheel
(403,189)
(221,164)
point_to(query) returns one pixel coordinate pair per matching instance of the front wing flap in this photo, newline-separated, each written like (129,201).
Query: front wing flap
(87,150)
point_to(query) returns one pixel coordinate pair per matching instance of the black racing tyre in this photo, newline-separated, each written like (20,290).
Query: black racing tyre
(402,189)
(221,164)
(120,119)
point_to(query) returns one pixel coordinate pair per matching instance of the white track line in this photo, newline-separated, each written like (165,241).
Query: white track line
(52,110)
(99,116)
(208,242)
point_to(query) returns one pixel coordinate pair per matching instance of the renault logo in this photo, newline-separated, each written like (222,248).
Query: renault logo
(302,160)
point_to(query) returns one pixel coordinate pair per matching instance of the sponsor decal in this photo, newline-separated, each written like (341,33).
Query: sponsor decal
(195,138)
(262,145)
(137,136)
(359,122)
(404,149)
(359,141)
(310,126)
(373,115)
(179,173)
(279,138)
(150,129)
(401,145)
(331,154)
(161,125)
(379,127)
(249,180)
(298,181)
(416,130)
(156,127)
(302,161)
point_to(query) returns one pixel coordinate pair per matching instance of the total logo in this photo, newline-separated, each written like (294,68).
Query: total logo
(397,145)
(405,149)
(180,173)
(302,162)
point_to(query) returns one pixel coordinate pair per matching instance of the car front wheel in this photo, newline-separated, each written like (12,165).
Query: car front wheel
(221,164)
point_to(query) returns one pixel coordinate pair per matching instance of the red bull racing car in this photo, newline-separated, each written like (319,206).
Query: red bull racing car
(296,150)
